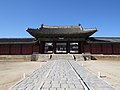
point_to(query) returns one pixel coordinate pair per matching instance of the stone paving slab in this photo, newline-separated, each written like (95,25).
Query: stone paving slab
(61,75)
(91,80)
(33,81)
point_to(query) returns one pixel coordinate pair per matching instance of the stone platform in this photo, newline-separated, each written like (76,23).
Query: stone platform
(62,75)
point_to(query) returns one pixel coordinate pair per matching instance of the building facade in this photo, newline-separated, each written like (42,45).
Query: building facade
(60,40)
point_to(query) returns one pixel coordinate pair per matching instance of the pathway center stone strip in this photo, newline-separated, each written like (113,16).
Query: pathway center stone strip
(81,80)
(91,80)
(62,77)
(46,76)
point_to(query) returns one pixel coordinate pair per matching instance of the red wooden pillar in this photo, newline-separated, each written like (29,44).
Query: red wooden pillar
(21,49)
(79,48)
(42,46)
(54,47)
(81,45)
(112,48)
(101,49)
(9,49)
(68,47)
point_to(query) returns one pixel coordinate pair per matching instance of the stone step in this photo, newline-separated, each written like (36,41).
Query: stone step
(78,57)
(62,57)
(46,57)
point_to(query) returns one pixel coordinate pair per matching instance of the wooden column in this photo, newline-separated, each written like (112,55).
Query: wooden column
(42,46)
(112,49)
(90,47)
(21,49)
(101,48)
(79,47)
(9,49)
(68,47)
(54,47)
(32,49)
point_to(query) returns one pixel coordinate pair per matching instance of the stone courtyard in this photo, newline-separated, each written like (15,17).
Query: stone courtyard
(62,75)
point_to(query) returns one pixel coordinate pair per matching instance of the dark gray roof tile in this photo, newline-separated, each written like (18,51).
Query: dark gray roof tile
(60,31)
(17,40)
(103,40)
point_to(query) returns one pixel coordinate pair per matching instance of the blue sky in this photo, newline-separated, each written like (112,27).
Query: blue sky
(17,15)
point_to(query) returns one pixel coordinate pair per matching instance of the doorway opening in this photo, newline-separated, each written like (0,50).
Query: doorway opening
(61,48)
(74,47)
(48,47)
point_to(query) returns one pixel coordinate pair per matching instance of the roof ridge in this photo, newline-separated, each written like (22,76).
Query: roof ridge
(46,26)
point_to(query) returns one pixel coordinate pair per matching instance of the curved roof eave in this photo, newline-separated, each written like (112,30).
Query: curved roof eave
(40,33)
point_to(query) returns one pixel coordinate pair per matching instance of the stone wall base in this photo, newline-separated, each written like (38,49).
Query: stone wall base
(15,58)
(105,57)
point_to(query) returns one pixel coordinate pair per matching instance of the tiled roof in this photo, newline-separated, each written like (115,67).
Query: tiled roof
(32,40)
(17,40)
(60,31)
(103,40)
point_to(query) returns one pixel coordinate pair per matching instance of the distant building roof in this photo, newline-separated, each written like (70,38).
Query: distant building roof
(61,31)
(17,40)
(33,41)
(103,40)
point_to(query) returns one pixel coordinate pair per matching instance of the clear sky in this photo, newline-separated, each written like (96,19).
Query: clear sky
(17,15)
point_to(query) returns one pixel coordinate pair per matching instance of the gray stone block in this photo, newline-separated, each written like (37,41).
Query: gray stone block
(64,86)
(55,85)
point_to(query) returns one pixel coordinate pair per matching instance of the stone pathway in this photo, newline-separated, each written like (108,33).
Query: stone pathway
(62,75)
